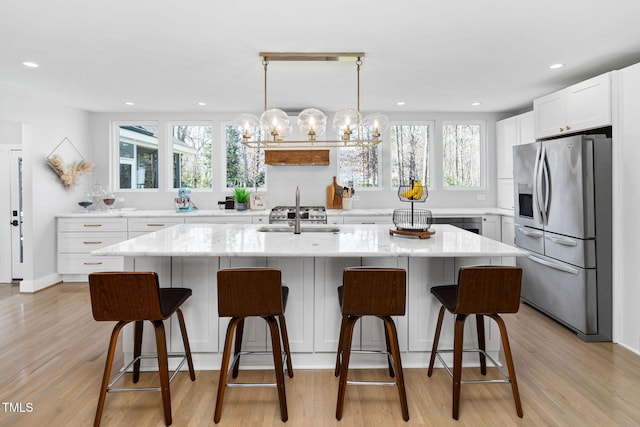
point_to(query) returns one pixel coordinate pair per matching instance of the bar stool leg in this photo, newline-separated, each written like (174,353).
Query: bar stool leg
(392,333)
(481,343)
(436,338)
(185,342)
(237,348)
(285,343)
(277,361)
(339,353)
(389,362)
(137,348)
(458,336)
(163,369)
(107,371)
(222,383)
(349,324)
(510,367)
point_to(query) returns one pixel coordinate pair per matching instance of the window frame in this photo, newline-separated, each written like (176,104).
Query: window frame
(483,155)
(114,175)
(432,153)
(379,167)
(223,150)
(168,151)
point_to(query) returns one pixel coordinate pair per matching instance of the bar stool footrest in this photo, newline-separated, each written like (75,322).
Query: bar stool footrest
(125,369)
(249,353)
(497,365)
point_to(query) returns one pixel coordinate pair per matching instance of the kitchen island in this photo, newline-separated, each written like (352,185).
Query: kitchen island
(188,255)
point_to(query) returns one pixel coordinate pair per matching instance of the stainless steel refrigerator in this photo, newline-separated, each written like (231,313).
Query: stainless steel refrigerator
(563,217)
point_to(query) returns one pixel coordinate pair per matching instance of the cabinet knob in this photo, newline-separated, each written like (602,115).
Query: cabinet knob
(568,127)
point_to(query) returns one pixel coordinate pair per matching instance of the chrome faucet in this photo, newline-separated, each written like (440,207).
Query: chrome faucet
(296,220)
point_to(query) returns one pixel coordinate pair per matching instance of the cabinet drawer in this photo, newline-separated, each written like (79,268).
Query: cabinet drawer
(87,242)
(377,219)
(92,224)
(85,263)
(218,219)
(152,224)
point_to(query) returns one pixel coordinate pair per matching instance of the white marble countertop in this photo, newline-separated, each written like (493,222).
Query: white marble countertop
(140,213)
(239,240)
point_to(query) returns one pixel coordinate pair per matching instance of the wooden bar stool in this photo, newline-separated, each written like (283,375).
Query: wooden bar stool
(136,297)
(483,291)
(371,291)
(245,292)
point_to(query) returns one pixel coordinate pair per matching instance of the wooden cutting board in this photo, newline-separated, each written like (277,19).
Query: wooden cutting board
(334,200)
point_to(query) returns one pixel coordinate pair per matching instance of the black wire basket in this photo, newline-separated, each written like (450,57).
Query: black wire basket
(412,219)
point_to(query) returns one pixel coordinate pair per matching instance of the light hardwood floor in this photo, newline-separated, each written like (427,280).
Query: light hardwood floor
(52,357)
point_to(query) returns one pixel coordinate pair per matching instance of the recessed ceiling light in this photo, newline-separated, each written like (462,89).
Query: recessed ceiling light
(30,64)
(202,104)
(556,66)
(400,103)
(129,103)
(475,104)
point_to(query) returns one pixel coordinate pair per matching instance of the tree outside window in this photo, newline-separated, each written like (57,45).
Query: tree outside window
(359,165)
(245,166)
(191,153)
(462,147)
(410,152)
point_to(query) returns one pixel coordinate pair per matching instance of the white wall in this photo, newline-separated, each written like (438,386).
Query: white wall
(626,207)
(44,125)
(282,180)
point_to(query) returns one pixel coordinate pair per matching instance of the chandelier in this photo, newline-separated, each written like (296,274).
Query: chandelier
(274,126)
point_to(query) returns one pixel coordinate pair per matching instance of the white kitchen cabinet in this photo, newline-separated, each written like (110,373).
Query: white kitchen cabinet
(328,276)
(512,131)
(508,237)
(298,276)
(585,105)
(491,227)
(143,225)
(77,237)
(199,275)
(335,219)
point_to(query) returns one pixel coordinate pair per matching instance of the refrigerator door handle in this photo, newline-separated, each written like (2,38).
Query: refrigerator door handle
(553,265)
(536,179)
(543,196)
(561,241)
(530,233)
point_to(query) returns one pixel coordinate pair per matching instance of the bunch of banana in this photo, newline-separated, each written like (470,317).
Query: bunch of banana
(415,192)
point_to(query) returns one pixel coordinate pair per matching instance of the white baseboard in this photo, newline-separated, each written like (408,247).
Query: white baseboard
(31,286)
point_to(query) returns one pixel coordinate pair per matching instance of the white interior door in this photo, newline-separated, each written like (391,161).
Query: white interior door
(15,179)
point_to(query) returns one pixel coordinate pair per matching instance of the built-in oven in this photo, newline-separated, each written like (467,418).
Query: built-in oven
(471,223)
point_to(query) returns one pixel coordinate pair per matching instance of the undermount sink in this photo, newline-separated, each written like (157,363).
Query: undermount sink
(303,229)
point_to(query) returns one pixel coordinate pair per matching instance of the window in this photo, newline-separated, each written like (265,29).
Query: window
(138,156)
(245,166)
(358,167)
(191,155)
(410,152)
(462,145)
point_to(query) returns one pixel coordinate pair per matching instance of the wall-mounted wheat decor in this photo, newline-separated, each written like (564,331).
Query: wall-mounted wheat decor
(69,174)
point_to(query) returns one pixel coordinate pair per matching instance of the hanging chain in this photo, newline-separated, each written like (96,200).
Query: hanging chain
(265,63)
(358,64)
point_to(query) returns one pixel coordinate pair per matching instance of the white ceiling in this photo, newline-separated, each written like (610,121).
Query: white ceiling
(435,55)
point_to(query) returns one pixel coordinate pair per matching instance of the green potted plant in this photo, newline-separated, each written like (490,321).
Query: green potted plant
(242,198)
